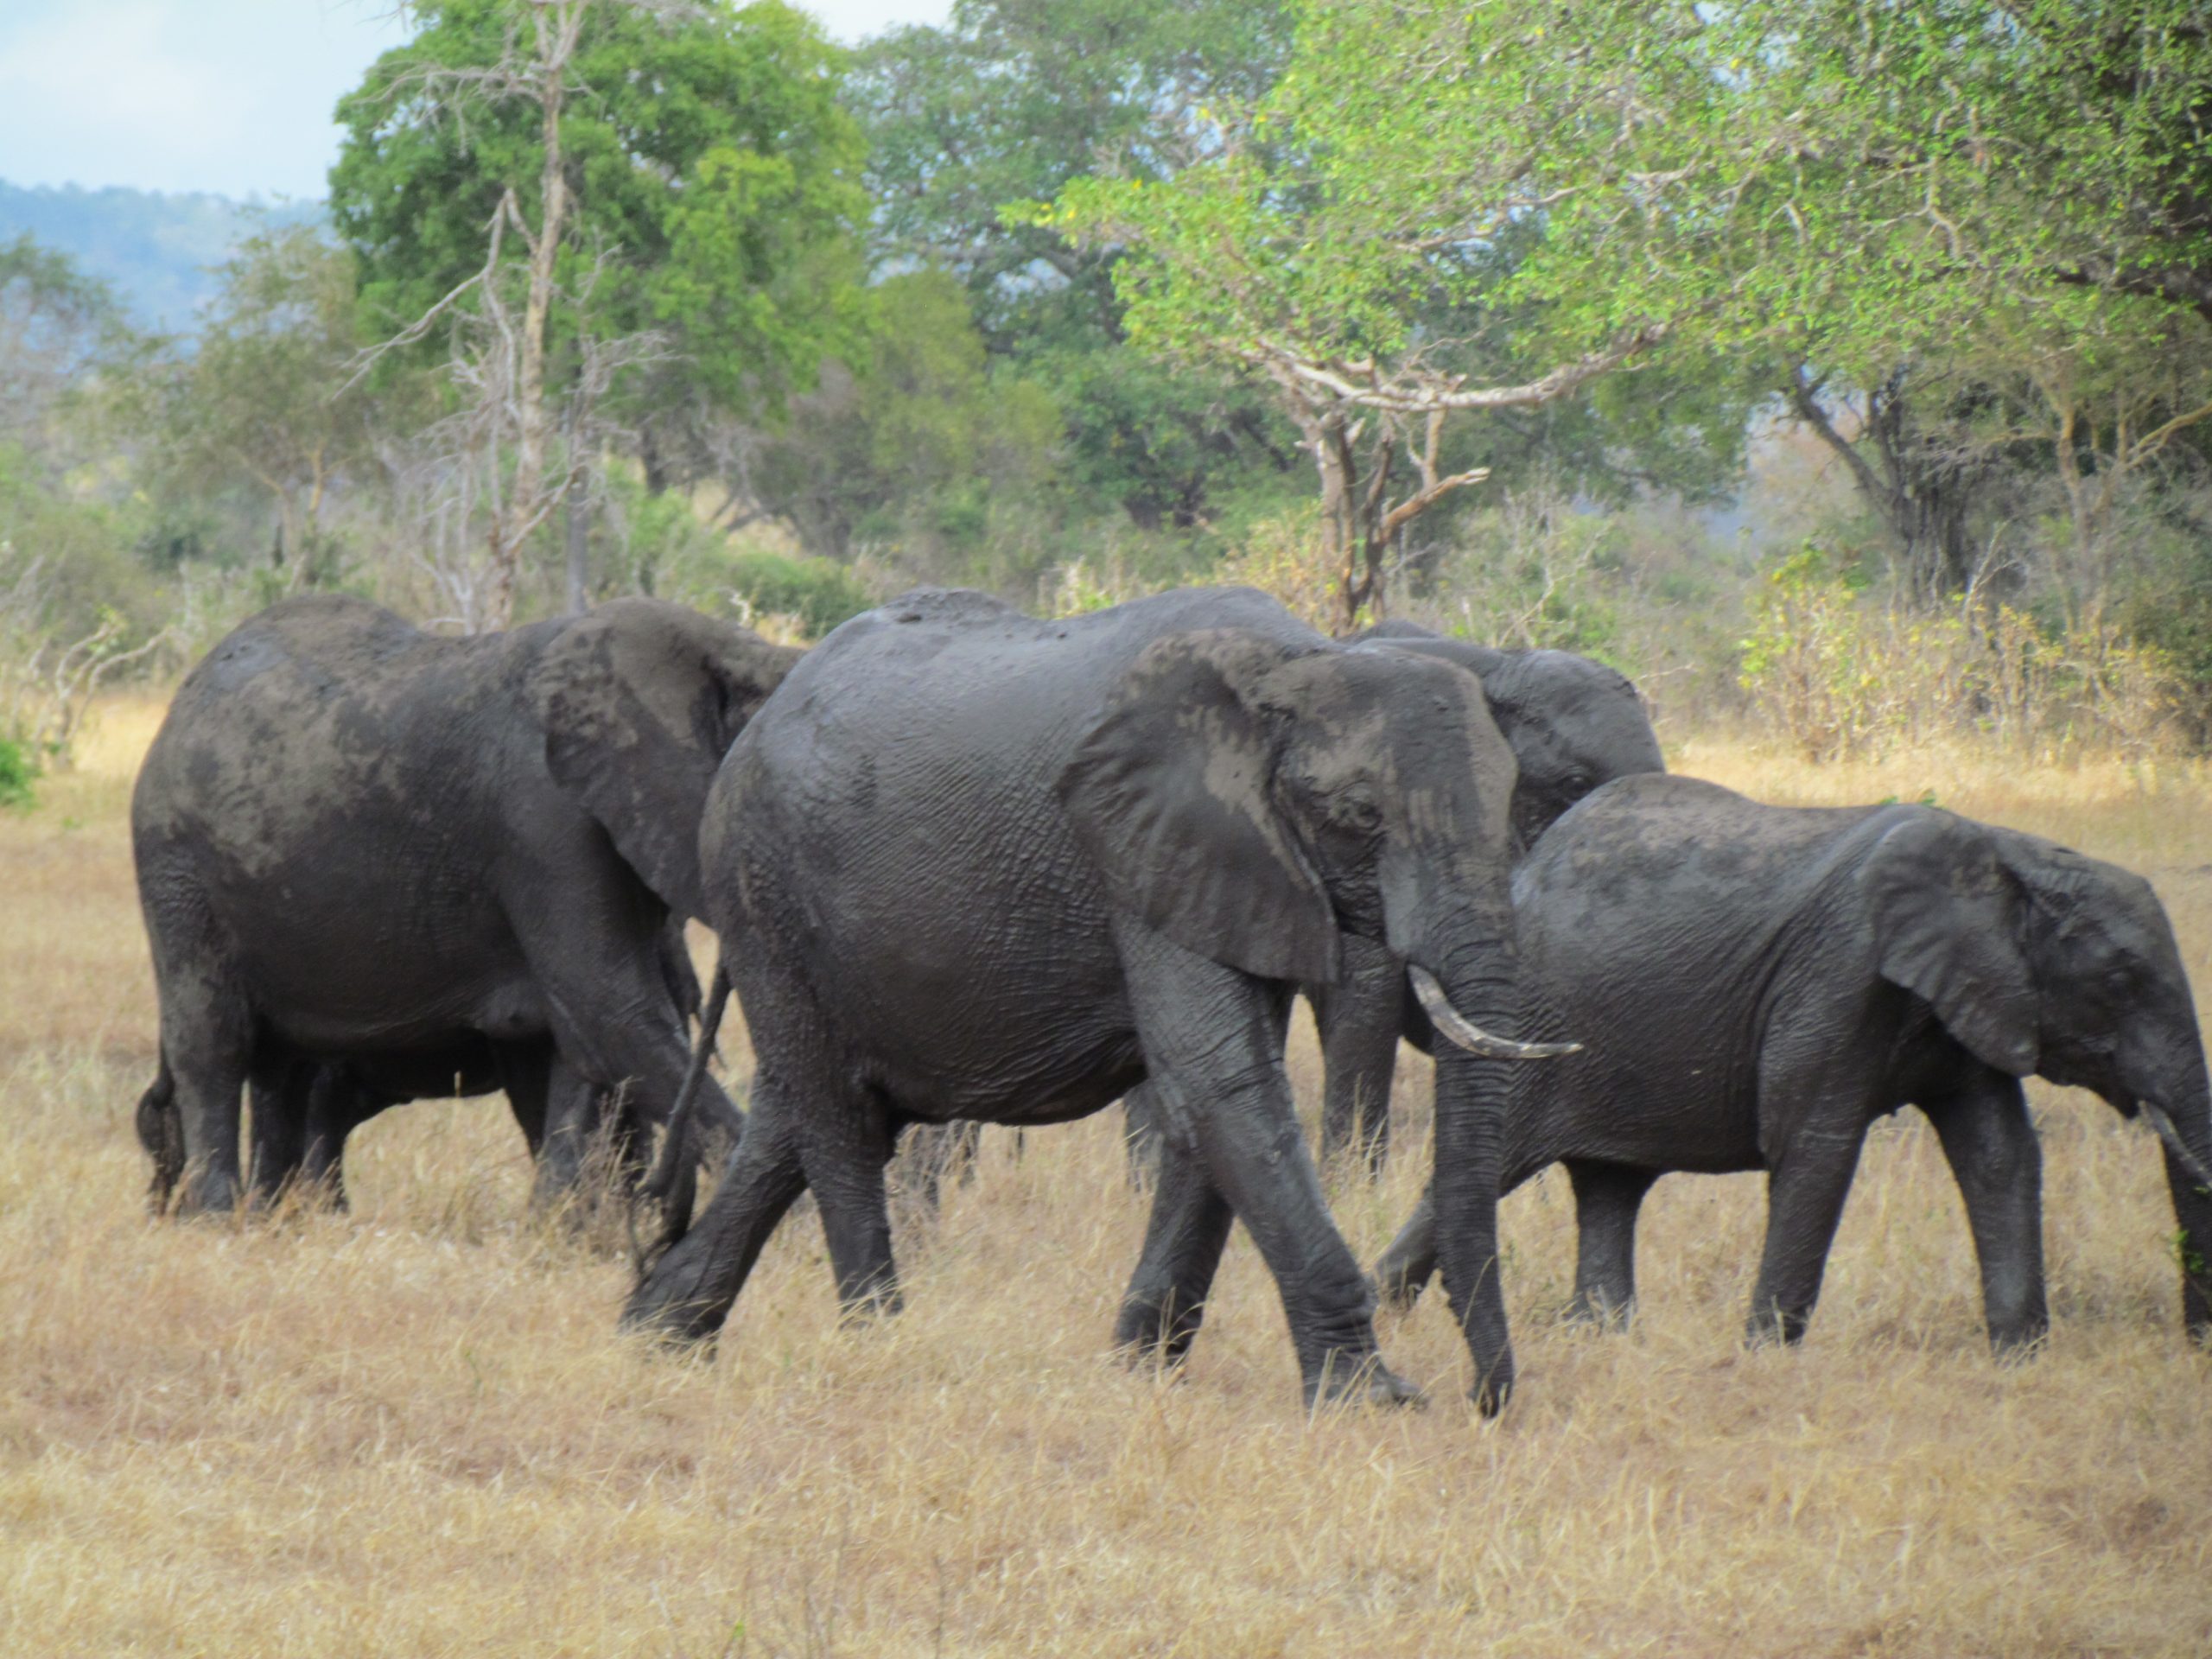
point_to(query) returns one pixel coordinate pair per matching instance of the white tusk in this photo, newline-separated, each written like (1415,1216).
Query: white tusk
(2179,1148)
(1470,1036)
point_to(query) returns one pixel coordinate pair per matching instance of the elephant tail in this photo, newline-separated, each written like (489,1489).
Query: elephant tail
(674,1181)
(160,1131)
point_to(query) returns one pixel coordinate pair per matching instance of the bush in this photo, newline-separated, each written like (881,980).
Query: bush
(18,772)
(1843,675)
(819,594)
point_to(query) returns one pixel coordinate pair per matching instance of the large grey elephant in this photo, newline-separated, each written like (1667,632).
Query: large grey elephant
(1756,984)
(1573,724)
(429,857)
(969,865)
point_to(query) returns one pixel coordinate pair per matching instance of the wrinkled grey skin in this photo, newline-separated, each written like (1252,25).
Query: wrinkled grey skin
(304,1109)
(1755,984)
(1572,724)
(426,856)
(970,865)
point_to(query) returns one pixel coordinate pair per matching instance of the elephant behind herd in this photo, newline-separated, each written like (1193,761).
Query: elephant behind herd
(967,866)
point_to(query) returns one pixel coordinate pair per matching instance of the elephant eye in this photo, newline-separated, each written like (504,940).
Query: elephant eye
(1360,811)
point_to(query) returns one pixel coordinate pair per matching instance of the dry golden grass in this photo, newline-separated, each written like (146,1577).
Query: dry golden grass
(410,1431)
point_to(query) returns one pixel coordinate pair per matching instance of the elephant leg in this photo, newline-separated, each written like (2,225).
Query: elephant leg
(1212,1040)
(206,1037)
(1142,1130)
(277,1131)
(1359,1018)
(1183,1242)
(1607,1198)
(526,1073)
(573,1108)
(614,1018)
(843,1155)
(1998,1162)
(1805,1195)
(691,1291)
(337,1105)
(1403,1270)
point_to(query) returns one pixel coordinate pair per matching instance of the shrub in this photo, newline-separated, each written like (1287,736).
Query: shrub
(18,772)
(820,594)
(1843,675)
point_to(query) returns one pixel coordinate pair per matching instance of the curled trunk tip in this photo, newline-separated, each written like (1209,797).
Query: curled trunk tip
(2171,1135)
(1472,1037)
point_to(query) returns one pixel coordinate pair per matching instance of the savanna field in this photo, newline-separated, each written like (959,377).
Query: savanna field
(410,1430)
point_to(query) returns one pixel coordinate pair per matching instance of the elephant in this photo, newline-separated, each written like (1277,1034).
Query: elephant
(1756,984)
(1573,724)
(970,865)
(423,856)
(304,1109)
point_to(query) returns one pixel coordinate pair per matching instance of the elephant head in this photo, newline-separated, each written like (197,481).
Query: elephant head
(1572,722)
(640,699)
(2041,961)
(1254,801)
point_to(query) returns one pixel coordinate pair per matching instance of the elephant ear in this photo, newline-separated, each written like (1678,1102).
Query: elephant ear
(1170,795)
(639,700)
(1949,919)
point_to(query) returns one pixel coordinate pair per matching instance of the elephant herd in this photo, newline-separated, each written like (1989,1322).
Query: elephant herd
(965,866)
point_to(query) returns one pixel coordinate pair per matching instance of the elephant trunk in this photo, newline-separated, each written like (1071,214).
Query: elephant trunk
(2184,1123)
(1477,977)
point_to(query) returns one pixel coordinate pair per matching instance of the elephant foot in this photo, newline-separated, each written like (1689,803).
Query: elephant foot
(206,1195)
(1494,1386)
(1366,1381)
(673,1327)
(876,1297)
(1157,1329)
(1773,1325)
(2018,1344)
(1600,1312)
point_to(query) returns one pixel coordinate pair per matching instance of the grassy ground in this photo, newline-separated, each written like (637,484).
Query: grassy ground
(410,1431)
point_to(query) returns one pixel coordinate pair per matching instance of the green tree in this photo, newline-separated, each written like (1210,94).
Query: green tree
(577,196)
(59,330)
(1005,104)
(265,396)
(913,438)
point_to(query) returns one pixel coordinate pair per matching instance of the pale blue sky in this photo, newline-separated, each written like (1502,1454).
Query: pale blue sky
(233,96)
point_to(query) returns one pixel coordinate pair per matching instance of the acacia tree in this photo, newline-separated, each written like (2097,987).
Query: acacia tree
(1418,160)
(573,197)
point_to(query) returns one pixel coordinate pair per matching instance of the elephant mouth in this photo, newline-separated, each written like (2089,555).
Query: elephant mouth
(1469,1035)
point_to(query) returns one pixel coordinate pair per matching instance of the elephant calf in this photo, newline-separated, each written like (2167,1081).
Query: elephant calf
(1755,984)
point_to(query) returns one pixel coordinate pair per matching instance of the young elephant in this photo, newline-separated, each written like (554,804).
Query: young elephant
(305,1110)
(359,843)
(1573,724)
(969,865)
(1756,984)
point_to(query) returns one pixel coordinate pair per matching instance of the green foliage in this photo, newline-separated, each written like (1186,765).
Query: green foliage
(713,170)
(911,442)
(265,403)
(818,593)
(1006,104)
(18,776)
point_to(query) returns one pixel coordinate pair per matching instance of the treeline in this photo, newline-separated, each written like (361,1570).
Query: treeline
(1854,360)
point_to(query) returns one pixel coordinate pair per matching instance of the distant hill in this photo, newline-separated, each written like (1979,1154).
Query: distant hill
(157,249)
